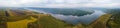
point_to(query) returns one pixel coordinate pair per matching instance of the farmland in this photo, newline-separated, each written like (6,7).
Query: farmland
(29,19)
(13,18)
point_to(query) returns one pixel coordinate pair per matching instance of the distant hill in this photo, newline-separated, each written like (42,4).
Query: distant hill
(65,11)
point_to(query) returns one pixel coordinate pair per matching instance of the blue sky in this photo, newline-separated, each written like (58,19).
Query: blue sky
(59,3)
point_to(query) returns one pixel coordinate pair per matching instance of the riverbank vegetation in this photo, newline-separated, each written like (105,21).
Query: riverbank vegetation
(30,19)
(114,22)
(47,21)
(99,23)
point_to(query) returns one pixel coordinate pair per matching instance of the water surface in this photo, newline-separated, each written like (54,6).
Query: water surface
(86,19)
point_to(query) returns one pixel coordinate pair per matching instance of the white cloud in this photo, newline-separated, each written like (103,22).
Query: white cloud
(59,3)
(8,3)
(101,1)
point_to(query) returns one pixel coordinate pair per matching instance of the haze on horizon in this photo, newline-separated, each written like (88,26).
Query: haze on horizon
(60,3)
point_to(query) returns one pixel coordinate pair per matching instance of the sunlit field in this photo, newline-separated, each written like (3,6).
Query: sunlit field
(59,13)
(13,18)
(21,23)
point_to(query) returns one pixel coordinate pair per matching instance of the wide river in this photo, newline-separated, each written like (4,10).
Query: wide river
(86,19)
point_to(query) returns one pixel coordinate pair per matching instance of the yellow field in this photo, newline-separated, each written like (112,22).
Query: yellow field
(21,23)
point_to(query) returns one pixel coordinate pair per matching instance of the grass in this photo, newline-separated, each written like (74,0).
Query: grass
(13,20)
(79,26)
(47,21)
(115,21)
(113,24)
(21,23)
(3,19)
(16,18)
(2,12)
(10,13)
(99,23)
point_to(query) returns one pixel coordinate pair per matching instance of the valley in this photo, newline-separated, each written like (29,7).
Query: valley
(25,18)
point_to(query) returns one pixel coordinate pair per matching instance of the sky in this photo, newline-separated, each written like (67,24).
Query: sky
(60,3)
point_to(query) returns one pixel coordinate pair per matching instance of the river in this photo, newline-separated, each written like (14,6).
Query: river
(86,19)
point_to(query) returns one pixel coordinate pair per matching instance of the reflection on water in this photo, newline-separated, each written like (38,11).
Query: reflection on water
(86,19)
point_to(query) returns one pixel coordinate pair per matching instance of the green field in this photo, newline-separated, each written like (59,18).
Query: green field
(114,22)
(3,18)
(15,20)
(47,21)
(30,19)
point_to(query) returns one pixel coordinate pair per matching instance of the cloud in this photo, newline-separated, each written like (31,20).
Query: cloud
(60,3)
(8,3)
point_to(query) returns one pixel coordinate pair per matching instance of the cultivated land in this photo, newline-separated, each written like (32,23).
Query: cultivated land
(10,18)
(21,23)
(28,19)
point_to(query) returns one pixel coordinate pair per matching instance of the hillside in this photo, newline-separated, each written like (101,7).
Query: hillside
(11,18)
(47,21)
(114,22)
(101,22)
(24,19)
(3,19)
